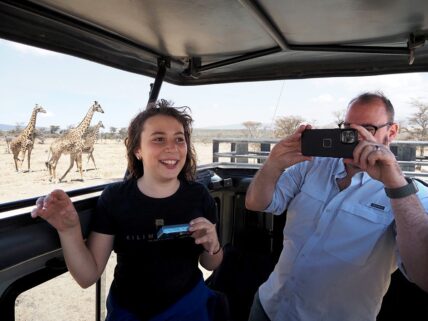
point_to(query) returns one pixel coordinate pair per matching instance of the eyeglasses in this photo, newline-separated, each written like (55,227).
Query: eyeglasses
(370,128)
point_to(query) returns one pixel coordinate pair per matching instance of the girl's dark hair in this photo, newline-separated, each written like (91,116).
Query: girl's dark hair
(136,126)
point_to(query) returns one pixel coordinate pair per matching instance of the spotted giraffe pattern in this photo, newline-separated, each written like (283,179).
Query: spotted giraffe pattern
(24,143)
(71,143)
(90,139)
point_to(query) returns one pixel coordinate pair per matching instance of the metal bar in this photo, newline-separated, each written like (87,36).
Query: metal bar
(234,60)
(266,22)
(324,48)
(274,141)
(100,298)
(155,88)
(353,49)
(32,201)
(98,301)
(215,150)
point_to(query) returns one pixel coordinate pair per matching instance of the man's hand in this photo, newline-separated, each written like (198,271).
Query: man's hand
(377,160)
(288,152)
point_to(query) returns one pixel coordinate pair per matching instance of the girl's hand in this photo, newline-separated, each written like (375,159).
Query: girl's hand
(204,233)
(58,210)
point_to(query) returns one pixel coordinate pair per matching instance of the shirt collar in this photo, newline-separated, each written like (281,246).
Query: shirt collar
(340,172)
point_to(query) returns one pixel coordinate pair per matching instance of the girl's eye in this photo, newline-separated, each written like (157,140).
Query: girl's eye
(180,140)
(158,139)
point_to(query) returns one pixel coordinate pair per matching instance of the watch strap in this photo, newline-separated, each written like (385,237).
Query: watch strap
(406,190)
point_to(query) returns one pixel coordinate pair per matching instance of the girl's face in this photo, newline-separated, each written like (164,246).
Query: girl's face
(163,148)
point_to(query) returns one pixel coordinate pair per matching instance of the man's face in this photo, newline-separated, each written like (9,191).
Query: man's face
(374,117)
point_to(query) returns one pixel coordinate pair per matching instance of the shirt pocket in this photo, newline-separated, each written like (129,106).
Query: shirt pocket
(355,231)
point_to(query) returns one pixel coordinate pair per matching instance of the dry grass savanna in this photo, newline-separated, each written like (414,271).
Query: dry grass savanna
(110,157)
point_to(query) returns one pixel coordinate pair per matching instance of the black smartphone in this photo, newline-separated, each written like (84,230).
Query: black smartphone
(168,232)
(337,142)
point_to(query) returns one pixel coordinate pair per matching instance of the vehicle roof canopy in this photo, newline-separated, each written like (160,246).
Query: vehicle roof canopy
(218,41)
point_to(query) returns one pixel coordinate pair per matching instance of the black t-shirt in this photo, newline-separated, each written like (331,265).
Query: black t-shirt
(151,274)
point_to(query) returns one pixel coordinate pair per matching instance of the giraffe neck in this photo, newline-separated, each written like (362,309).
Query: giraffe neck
(31,125)
(84,124)
(97,130)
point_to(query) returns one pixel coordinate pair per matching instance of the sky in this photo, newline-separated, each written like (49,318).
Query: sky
(59,83)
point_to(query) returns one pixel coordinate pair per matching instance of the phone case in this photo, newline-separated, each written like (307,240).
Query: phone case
(327,143)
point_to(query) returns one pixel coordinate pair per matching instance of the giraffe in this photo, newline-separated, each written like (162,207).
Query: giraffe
(90,139)
(24,143)
(71,143)
(8,140)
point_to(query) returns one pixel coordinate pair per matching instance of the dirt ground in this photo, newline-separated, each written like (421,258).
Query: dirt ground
(62,299)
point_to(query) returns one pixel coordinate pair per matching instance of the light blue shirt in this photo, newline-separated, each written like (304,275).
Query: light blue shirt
(339,246)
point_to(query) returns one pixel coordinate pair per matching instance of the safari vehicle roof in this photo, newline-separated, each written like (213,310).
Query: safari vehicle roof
(204,42)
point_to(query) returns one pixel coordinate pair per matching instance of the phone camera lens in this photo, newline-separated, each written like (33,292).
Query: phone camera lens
(348,136)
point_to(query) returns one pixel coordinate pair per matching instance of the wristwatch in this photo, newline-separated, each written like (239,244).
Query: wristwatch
(406,190)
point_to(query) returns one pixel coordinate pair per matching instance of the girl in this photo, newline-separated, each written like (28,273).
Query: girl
(154,279)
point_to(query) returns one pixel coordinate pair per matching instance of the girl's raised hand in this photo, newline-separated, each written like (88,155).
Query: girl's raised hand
(58,210)
(204,233)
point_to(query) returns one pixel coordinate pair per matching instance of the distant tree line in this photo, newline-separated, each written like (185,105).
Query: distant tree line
(54,131)
(415,127)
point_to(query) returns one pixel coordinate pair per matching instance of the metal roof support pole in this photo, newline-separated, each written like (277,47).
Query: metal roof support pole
(155,87)
(267,23)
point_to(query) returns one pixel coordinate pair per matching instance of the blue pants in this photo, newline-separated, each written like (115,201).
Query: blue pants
(192,306)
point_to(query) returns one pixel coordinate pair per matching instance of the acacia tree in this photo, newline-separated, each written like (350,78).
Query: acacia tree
(253,128)
(123,132)
(339,115)
(54,129)
(18,128)
(286,125)
(113,131)
(418,121)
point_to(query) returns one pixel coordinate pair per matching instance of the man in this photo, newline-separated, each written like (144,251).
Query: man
(350,223)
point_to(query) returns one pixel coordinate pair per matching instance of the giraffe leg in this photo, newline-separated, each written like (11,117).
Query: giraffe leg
(52,171)
(79,164)
(51,164)
(21,158)
(93,160)
(87,161)
(91,156)
(15,159)
(29,158)
(69,168)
